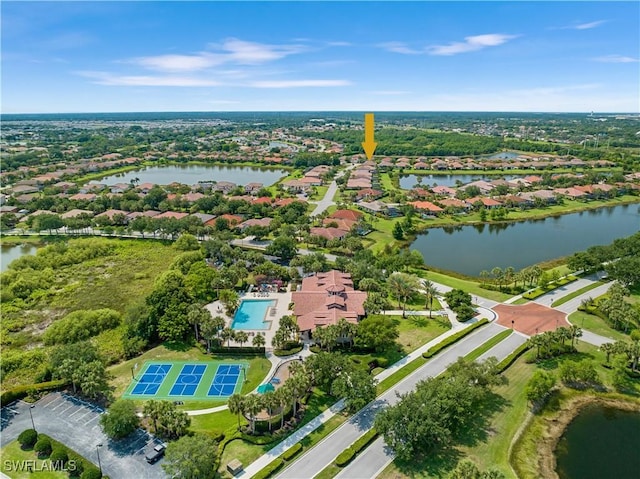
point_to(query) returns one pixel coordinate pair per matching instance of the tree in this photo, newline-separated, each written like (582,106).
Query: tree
(397,232)
(430,291)
(377,332)
(192,457)
(357,387)
(236,406)
(197,315)
(230,299)
(258,341)
(403,287)
(186,242)
(47,222)
(375,303)
(168,421)
(539,386)
(80,365)
(252,406)
(227,334)
(120,420)
(241,337)
(168,306)
(467,469)
(284,247)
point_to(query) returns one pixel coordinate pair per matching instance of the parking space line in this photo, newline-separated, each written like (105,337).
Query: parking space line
(58,405)
(80,409)
(52,404)
(65,410)
(80,418)
(93,419)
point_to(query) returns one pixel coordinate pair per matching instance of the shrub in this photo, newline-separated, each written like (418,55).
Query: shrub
(364,440)
(292,451)
(81,325)
(432,351)
(287,352)
(59,457)
(20,392)
(269,469)
(345,457)
(43,447)
(509,360)
(28,438)
(91,473)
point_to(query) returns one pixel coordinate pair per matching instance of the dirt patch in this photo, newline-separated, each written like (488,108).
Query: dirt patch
(554,427)
(530,318)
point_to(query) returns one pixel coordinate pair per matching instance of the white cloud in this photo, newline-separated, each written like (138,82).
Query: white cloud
(615,59)
(105,78)
(299,83)
(588,26)
(231,50)
(399,47)
(471,44)
(390,92)
(179,63)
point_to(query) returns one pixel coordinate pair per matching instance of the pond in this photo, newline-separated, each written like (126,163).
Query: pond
(409,181)
(192,174)
(14,251)
(601,442)
(471,249)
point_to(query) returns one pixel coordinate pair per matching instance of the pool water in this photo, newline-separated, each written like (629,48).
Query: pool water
(251,314)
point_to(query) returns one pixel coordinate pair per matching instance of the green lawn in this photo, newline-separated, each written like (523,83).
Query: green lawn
(489,440)
(471,287)
(577,293)
(414,331)
(476,353)
(595,324)
(12,454)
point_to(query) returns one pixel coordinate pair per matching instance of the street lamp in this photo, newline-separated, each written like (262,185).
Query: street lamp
(98,446)
(33,424)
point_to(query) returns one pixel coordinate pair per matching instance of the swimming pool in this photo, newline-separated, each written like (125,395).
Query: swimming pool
(252,313)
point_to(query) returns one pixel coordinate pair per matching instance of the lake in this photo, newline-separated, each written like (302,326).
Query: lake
(14,251)
(409,181)
(601,442)
(192,174)
(471,249)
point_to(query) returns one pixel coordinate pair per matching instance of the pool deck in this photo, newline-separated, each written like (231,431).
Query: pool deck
(282,305)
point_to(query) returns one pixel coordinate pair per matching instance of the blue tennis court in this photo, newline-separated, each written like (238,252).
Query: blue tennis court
(225,381)
(188,380)
(151,379)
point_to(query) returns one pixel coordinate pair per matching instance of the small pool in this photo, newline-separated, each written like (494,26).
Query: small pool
(252,314)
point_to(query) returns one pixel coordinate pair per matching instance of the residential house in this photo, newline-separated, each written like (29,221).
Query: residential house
(328,232)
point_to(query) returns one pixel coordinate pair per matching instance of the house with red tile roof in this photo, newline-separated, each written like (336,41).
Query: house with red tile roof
(426,207)
(172,214)
(232,219)
(324,298)
(83,197)
(329,232)
(347,215)
(264,222)
(486,202)
(443,190)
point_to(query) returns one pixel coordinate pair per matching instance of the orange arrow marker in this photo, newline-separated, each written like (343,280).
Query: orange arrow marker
(369,145)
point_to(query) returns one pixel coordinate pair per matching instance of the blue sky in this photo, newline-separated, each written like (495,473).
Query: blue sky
(375,56)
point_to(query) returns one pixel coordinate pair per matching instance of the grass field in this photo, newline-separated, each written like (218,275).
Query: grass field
(414,331)
(577,293)
(489,440)
(465,285)
(13,452)
(595,324)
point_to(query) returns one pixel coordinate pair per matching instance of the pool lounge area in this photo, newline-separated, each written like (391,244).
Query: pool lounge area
(254,314)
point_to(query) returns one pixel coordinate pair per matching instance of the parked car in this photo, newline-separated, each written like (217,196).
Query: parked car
(156,453)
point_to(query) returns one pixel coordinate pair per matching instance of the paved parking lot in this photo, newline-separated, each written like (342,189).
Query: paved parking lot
(75,423)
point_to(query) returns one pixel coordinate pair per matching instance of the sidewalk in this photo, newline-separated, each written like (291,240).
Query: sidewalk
(315,423)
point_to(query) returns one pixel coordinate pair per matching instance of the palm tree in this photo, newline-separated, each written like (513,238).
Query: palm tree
(608,349)
(241,337)
(346,330)
(497,275)
(403,286)
(431,292)
(282,398)
(227,334)
(575,332)
(253,405)
(484,274)
(509,274)
(258,341)
(270,402)
(197,315)
(237,406)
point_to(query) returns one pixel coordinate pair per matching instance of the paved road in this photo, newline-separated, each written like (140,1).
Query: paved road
(76,424)
(370,463)
(320,456)
(554,295)
(327,200)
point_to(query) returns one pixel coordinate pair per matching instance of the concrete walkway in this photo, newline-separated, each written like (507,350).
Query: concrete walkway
(315,423)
